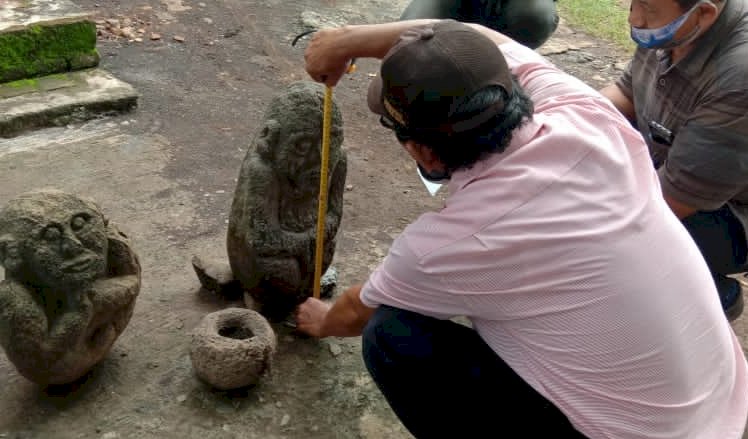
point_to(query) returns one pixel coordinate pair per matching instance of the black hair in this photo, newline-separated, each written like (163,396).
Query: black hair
(463,150)
(688,4)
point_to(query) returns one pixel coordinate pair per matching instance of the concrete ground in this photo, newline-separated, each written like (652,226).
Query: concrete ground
(165,174)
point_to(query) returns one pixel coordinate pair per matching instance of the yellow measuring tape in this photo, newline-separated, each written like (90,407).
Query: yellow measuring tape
(322,207)
(323,180)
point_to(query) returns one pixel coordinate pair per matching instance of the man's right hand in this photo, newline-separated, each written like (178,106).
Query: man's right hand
(310,316)
(331,50)
(325,61)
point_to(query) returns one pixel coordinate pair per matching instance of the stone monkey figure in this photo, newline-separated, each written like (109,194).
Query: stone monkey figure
(272,226)
(71,281)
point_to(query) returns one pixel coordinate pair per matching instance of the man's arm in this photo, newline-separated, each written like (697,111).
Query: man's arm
(707,164)
(346,318)
(491,34)
(620,101)
(681,210)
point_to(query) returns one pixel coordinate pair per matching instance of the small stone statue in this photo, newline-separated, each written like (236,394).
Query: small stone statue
(272,226)
(71,280)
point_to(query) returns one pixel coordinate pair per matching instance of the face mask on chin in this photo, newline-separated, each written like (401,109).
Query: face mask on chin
(438,177)
(663,37)
(432,180)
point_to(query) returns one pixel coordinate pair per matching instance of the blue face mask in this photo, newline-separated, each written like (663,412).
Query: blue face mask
(662,37)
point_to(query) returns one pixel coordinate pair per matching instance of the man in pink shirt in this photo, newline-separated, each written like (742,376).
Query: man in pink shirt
(593,313)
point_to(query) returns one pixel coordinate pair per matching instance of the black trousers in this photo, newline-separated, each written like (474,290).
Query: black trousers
(443,381)
(721,238)
(530,22)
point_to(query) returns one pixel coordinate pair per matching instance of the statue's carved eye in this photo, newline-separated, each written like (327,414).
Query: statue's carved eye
(79,221)
(304,145)
(12,251)
(52,233)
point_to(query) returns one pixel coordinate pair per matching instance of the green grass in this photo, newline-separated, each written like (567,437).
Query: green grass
(607,19)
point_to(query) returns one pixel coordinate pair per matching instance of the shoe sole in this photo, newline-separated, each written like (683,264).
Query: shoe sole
(736,309)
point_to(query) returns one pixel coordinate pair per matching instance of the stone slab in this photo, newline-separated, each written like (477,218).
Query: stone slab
(61,99)
(21,14)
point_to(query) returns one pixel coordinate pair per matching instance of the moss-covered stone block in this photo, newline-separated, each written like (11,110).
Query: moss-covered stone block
(43,49)
(62,98)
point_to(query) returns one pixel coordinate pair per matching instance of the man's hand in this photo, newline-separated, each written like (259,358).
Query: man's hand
(345,318)
(325,61)
(310,316)
(330,50)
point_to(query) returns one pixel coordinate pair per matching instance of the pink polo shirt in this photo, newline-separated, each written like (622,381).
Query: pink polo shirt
(565,257)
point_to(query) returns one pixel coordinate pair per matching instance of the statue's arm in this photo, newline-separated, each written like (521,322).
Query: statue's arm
(265,232)
(114,293)
(22,320)
(121,259)
(123,274)
(68,326)
(335,198)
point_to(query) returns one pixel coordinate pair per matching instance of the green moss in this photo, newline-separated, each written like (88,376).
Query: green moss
(41,50)
(22,83)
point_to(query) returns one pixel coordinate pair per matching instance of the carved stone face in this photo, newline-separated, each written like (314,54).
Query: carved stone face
(63,241)
(298,142)
(299,150)
(69,250)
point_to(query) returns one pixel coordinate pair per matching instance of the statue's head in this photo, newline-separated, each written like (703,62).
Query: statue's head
(291,137)
(51,239)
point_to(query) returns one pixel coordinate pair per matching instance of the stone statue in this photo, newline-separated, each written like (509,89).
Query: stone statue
(71,280)
(272,226)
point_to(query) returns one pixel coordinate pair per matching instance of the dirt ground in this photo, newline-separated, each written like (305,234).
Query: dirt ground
(166,173)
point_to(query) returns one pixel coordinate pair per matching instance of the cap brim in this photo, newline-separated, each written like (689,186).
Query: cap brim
(374,97)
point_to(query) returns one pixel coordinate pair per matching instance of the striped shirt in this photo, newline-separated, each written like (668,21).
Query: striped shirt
(568,262)
(702,100)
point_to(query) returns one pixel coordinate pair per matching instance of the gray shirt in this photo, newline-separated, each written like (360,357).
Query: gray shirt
(700,107)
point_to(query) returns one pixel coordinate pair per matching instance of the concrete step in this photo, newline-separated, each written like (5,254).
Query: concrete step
(40,37)
(60,99)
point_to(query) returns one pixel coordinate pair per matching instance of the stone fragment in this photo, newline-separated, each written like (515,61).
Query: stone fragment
(328,282)
(316,20)
(335,349)
(285,420)
(216,276)
(127,32)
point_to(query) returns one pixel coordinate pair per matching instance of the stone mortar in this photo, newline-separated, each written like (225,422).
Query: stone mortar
(232,348)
